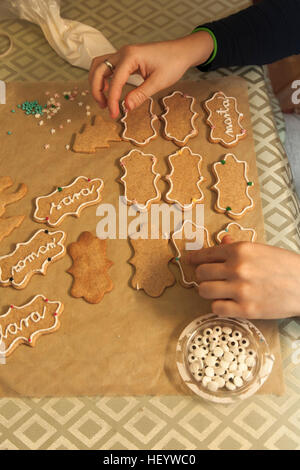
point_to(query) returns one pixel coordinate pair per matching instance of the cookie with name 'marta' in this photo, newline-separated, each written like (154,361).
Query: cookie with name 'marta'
(224,120)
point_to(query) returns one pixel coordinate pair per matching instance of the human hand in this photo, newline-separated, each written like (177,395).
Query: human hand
(160,64)
(249,280)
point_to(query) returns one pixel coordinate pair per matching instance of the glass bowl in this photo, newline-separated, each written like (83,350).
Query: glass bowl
(257,342)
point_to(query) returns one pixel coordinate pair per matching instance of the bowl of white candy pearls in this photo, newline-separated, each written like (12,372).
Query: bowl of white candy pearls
(223,359)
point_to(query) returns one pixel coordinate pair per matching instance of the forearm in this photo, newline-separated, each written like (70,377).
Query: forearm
(258,35)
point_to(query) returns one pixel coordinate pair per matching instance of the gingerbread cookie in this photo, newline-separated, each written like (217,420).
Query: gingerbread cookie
(179,118)
(25,324)
(90,268)
(233,187)
(9,224)
(9,198)
(198,237)
(185,178)
(34,256)
(96,136)
(139,123)
(224,120)
(237,233)
(151,262)
(68,200)
(140,179)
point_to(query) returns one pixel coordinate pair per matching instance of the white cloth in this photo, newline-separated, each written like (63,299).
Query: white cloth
(292,146)
(75,42)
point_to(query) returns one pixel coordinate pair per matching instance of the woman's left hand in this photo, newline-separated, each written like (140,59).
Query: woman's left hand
(249,280)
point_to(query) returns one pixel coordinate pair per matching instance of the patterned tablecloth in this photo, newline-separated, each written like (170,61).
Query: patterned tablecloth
(262,422)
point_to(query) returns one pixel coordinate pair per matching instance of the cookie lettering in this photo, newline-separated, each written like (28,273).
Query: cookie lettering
(224,120)
(25,324)
(34,256)
(68,200)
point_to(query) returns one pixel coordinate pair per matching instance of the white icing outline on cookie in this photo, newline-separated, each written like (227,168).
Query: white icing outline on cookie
(225,231)
(78,210)
(7,282)
(153,118)
(157,176)
(178,253)
(194,131)
(58,312)
(169,179)
(212,126)
(215,186)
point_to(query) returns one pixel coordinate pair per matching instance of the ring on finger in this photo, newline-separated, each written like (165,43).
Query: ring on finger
(109,65)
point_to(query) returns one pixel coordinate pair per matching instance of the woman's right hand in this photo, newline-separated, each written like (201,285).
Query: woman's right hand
(160,64)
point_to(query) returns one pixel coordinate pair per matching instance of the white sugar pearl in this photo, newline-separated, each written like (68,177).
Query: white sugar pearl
(228,376)
(230,386)
(233,344)
(207,332)
(199,376)
(241,350)
(242,367)
(219,370)
(238,381)
(192,358)
(233,366)
(236,335)
(247,375)
(251,352)
(210,361)
(220,381)
(226,330)
(198,339)
(225,347)
(213,345)
(234,351)
(238,372)
(241,358)
(213,386)
(193,347)
(224,339)
(214,338)
(205,340)
(206,380)
(250,361)
(209,371)
(201,352)
(244,342)
(194,367)
(217,330)
(201,363)
(218,351)
(224,364)
(228,356)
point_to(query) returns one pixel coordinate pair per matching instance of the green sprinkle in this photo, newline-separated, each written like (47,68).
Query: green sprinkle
(223,162)
(177,258)
(13,110)
(9,132)
(228,208)
(59,189)
(18,106)
(249,183)
(67,97)
(226,229)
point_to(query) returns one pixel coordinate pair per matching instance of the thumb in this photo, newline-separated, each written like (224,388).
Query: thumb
(226,240)
(140,94)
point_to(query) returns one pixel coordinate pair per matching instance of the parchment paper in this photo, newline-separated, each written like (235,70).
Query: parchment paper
(124,345)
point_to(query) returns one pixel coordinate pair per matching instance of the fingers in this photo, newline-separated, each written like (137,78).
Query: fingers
(207,255)
(150,86)
(120,76)
(227,239)
(98,78)
(211,272)
(216,290)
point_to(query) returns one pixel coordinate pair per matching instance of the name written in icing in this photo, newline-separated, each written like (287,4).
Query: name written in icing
(68,200)
(32,256)
(227,118)
(14,328)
